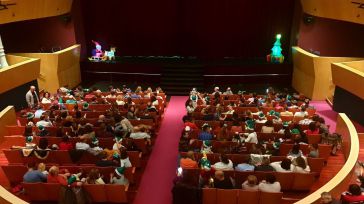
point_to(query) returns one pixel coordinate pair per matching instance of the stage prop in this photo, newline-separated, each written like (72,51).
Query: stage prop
(99,55)
(276,56)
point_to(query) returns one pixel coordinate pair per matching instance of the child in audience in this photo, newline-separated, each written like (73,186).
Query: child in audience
(251,184)
(118,177)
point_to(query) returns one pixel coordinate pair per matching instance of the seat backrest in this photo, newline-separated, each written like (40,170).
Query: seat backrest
(141,145)
(270,198)
(135,158)
(284,149)
(316,164)
(15,130)
(285,180)
(209,196)
(241,176)
(303,182)
(314,138)
(13,156)
(96,192)
(324,151)
(63,157)
(14,140)
(115,193)
(14,173)
(226,196)
(52,190)
(35,191)
(251,197)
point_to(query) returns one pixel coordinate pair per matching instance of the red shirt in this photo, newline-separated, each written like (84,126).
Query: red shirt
(57,179)
(315,132)
(65,146)
(193,126)
(352,198)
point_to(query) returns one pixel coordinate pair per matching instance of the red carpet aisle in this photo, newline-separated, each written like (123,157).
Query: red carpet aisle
(156,184)
(324,110)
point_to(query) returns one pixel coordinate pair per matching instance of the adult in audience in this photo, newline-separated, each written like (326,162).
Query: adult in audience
(206,133)
(228,91)
(46,98)
(44,121)
(314,152)
(65,144)
(190,107)
(127,127)
(270,184)
(94,177)
(118,177)
(141,134)
(188,161)
(353,195)
(124,158)
(83,144)
(251,184)
(295,151)
(33,175)
(55,177)
(224,164)
(119,100)
(282,166)
(264,166)
(299,165)
(302,113)
(312,129)
(326,198)
(268,127)
(251,136)
(221,181)
(32,97)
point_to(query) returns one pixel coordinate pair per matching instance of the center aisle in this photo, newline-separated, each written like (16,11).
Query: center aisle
(156,184)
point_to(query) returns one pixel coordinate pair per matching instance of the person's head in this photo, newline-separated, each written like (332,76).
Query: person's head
(252,180)
(190,155)
(313,147)
(295,149)
(41,167)
(300,161)
(303,109)
(53,171)
(270,178)
(43,143)
(46,95)
(354,189)
(119,98)
(94,174)
(286,164)
(224,159)
(219,175)
(32,88)
(123,153)
(312,126)
(269,123)
(326,198)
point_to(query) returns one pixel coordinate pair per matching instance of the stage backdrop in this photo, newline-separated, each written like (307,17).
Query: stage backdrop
(202,28)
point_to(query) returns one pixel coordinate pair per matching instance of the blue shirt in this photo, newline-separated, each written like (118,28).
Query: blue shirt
(205,136)
(34,176)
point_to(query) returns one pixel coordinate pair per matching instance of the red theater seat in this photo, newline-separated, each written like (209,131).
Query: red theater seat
(303,182)
(270,198)
(251,197)
(14,173)
(35,191)
(226,196)
(96,192)
(116,193)
(209,196)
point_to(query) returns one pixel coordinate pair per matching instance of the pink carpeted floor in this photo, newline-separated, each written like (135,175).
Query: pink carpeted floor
(156,184)
(324,110)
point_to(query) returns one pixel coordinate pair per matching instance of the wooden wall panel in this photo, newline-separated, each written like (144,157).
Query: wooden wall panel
(33,9)
(348,78)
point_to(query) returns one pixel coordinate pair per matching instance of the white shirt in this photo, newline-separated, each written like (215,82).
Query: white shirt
(44,123)
(46,100)
(125,162)
(139,135)
(120,103)
(82,146)
(222,166)
(252,138)
(301,114)
(266,129)
(298,169)
(270,187)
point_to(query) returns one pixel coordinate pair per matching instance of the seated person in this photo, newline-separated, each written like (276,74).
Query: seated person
(314,153)
(206,133)
(33,175)
(118,177)
(264,166)
(251,184)
(251,136)
(326,198)
(65,144)
(103,161)
(295,151)
(124,158)
(94,177)
(299,165)
(282,166)
(55,177)
(224,164)
(221,181)
(353,195)
(270,184)
(189,161)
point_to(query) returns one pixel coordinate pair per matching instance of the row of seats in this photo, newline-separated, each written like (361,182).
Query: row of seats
(289,181)
(64,158)
(219,196)
(107,193)
(315,164)
(15,173)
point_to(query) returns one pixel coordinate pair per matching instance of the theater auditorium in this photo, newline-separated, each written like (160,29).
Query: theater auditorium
(182,101)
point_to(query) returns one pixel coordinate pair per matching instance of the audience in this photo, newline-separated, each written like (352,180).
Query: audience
(224,164)
(251,184)
(270,184)
(189,161)
(33,175)
(221,181)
